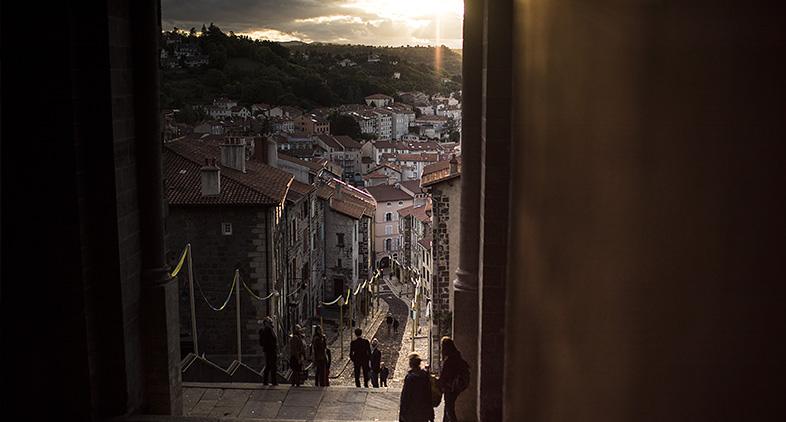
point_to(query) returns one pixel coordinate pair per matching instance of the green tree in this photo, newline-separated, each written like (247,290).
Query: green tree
(215,78)
(342,124)
(218,59)
(190,115)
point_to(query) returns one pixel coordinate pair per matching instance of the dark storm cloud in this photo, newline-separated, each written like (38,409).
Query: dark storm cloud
(303,19)
(243,15)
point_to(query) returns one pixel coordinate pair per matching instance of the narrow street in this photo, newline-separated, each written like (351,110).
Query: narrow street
(389,343)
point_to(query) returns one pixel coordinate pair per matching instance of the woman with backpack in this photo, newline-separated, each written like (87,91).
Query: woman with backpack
(453,378)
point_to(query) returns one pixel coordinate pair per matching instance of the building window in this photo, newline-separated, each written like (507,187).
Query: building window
(339,262)
(388,203)
(389,216)
(340,239)
(226,229)
(401,202)
(388,229)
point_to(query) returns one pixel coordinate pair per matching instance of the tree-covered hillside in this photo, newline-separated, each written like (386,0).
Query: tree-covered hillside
(303,75)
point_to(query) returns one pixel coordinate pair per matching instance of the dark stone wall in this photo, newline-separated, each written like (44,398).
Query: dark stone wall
(79,237)
(215,258)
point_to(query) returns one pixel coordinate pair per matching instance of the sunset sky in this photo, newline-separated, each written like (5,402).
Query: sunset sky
(369,22)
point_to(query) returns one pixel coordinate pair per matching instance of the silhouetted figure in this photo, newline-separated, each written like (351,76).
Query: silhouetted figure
(453,378)
(319,344)
(374,363)
(359,354)
(297,352)
(267,339)
(415,403)
(383,374)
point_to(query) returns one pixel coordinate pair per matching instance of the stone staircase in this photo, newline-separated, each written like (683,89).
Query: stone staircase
(198,369)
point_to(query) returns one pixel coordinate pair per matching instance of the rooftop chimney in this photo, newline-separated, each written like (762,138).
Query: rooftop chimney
(337,195)
(211,179)
(272,153)
(233,154)
(453,164)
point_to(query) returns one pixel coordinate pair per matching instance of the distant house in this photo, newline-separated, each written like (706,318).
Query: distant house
(375,179)
(221,108)
(196,61)
(261,108)
(414,227)
(344,151)
(211,127)
(378,100)
(347,62)
(390,171)
(287,111)
(312,124)
(389,201)
(281,124)
(240,112)
(383,147)
(384,124)
(366,163)
(187,49)
(349,218)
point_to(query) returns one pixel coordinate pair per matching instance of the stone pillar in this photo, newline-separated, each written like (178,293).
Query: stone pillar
(160,323)
(648,230)
(494,206)
(465,295)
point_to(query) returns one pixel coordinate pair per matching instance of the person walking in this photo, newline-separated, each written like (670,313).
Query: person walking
(383,374)
(389,322)
(267,339)
(297,352)
(374,363)
(319,344)
(415,405)
(359,354)
(453,378)
(395,325)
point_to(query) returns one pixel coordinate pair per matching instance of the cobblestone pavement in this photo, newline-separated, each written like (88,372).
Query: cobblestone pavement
(389,342)
(342,401)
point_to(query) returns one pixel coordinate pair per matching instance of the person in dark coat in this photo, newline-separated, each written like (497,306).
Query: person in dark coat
(374,362)
(319,344)
(451,365)
(395,325)
(383,374)
(359,354)
(297,352)
(267,339)
(415,403)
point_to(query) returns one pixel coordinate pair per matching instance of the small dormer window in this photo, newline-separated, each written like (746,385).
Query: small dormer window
(401,202)
(388,203)
(226,229)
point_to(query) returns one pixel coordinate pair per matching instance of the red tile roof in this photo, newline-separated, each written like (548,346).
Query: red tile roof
(418,212)
(426,242)
(353,202)
(298,190)
(438,172)
(384,193)
(259,185)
